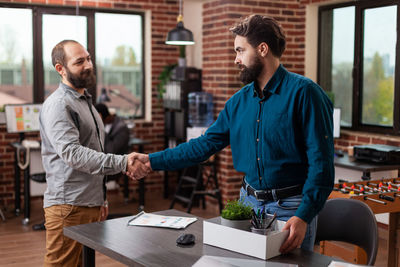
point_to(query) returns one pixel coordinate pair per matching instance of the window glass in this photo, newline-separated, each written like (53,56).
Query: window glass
(55,29)
(379,50)
(337,57)
(342,61)
(15,56)
(119,60)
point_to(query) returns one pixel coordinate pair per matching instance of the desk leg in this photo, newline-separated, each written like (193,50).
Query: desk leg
(126,188)
(17,185)
(393,244)
(88,257)
(141,194)
(366,176)
(166,187)
(27,200)
(141,186)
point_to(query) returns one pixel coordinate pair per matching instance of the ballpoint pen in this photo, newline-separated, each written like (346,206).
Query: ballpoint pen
(270,223)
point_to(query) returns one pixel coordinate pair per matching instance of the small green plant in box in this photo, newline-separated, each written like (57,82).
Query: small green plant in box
(236,210)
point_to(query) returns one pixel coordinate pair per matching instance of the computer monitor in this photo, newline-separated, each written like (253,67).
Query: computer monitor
(22,118)
(336,122)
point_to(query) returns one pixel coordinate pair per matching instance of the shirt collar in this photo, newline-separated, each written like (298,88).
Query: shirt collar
(273,83)
(75,93)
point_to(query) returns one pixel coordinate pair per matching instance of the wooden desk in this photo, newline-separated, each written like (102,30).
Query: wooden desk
(140,143)
(150,246)
(365,167)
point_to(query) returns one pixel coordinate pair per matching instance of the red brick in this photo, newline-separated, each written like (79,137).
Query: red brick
(378,141)
(393,143)
(363,139)
(104,4)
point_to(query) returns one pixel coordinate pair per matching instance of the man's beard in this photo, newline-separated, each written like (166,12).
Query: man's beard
(250,73)
(85,79)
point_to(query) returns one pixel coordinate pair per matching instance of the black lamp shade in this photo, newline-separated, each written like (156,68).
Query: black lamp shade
(180,36)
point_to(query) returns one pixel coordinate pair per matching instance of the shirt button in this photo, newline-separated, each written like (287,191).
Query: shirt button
(258,120)
(258,139)
(260,178)
(258,158)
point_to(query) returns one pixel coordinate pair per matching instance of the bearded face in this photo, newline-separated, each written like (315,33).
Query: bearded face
(250,73)
(84,79)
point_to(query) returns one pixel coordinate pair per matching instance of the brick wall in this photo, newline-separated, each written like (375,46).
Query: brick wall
(7,166)
(163,19)
(351,138)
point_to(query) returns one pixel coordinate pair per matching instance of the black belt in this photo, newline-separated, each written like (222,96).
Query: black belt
(268,195)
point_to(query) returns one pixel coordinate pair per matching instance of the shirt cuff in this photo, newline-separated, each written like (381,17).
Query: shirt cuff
(305,212)
(124,162)
(156,161)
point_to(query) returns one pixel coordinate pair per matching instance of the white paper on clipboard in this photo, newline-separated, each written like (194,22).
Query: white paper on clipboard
(155,220)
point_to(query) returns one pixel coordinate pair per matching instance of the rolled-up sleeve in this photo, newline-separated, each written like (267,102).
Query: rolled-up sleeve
(316,115)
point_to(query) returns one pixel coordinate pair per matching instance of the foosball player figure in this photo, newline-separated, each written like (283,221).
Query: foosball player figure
(362,190)
(389,187)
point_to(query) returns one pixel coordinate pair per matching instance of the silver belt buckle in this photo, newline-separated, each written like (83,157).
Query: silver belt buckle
(256,192)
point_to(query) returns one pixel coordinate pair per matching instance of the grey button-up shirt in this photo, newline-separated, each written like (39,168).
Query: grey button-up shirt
(72,148)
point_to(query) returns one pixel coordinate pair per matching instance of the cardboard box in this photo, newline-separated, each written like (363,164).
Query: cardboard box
(245,242)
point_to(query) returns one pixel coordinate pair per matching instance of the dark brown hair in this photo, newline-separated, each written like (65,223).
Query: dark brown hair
(258,29)
(58,52)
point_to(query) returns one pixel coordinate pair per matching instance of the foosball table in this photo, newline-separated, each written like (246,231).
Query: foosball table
(382,196)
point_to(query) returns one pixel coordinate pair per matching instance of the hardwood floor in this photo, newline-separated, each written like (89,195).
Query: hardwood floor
(21,246)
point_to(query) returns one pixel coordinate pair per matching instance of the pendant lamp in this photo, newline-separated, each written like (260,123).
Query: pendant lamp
(180,35)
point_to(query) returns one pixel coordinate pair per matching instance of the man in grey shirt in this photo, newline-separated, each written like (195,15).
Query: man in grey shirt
(72,136)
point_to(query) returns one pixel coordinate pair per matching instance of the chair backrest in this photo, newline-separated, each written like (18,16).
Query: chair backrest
(350,221)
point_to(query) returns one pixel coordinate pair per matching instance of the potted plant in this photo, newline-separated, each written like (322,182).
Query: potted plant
(236,214)
(164,77)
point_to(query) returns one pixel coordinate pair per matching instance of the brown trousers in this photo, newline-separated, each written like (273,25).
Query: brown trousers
(63,251)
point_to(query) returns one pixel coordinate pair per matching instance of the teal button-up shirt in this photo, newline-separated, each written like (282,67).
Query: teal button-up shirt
(280,140)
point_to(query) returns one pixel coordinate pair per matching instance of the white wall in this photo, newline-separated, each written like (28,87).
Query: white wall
(193,21)
(311,48)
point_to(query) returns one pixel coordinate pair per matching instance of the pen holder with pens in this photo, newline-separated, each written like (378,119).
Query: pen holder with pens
(263,225)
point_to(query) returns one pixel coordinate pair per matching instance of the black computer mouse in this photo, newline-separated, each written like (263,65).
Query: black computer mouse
(186,239)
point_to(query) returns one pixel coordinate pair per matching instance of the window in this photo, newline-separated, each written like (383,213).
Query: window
(357,61)
(29,33)
(119,61)
(16,56)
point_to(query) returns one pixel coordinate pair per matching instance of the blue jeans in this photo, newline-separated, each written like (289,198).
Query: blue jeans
(284,208)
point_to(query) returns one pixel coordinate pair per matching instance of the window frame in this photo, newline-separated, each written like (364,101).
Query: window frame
(357,70)
(37,63)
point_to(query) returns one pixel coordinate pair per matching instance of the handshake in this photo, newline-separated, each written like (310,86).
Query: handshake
(138,166)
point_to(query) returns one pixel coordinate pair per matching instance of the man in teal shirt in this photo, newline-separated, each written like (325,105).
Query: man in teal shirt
(280,130)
